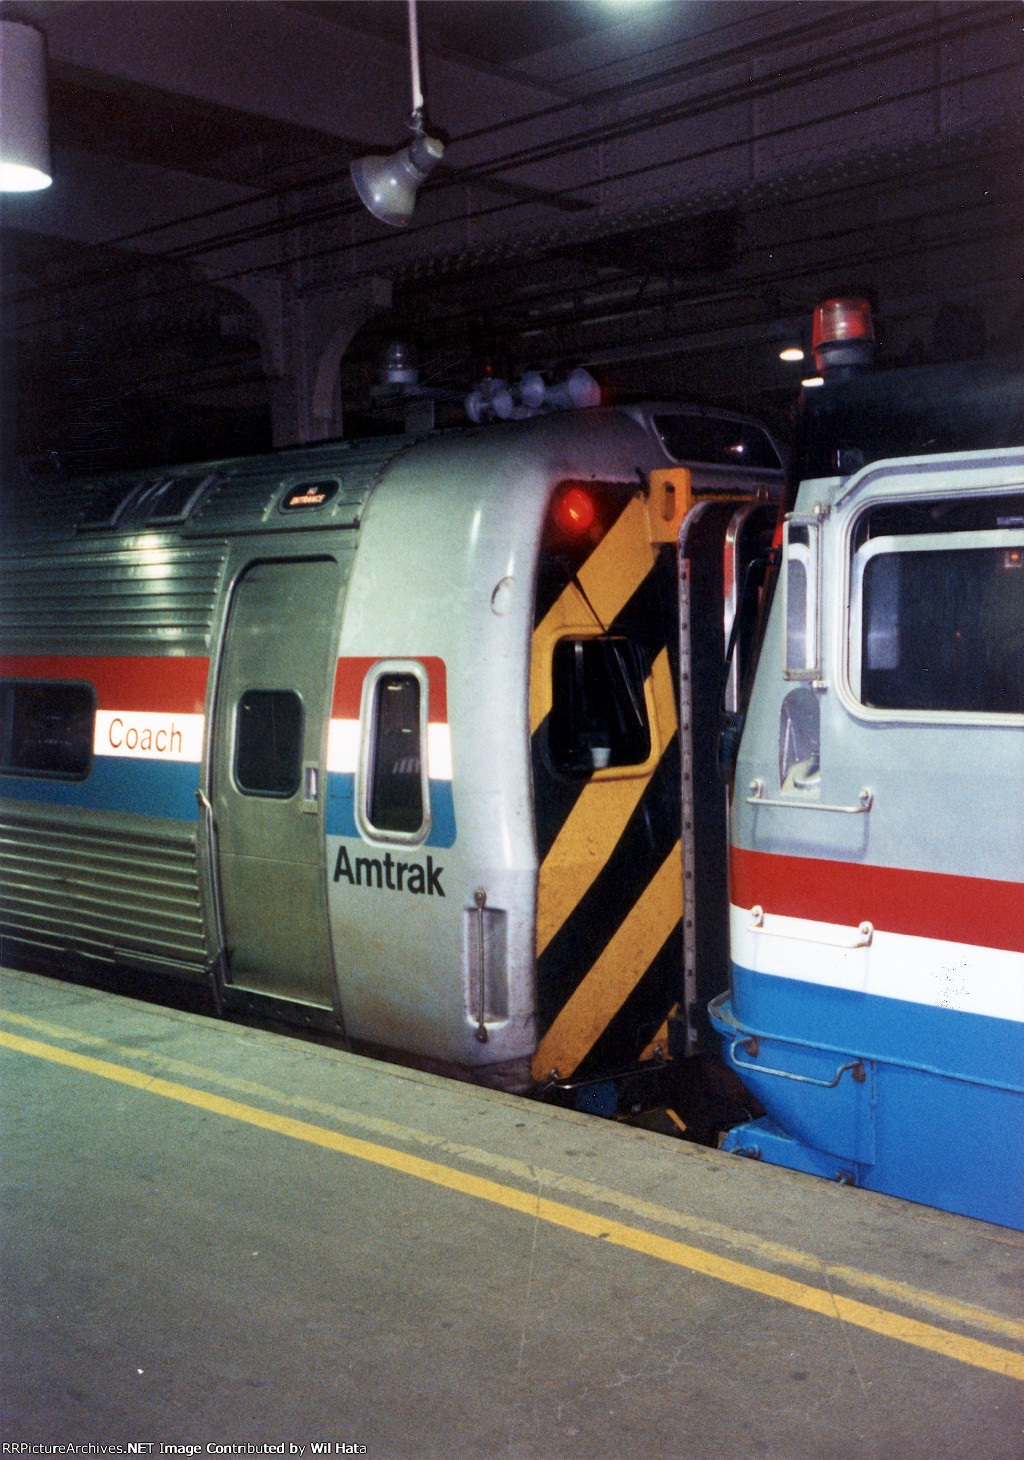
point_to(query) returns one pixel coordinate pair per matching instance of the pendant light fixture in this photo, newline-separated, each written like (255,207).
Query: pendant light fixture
(388,185)
(24,133)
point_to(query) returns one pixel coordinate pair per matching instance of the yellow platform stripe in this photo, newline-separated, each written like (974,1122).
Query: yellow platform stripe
(615,974)
(896,1326)
(591,831)
(701,1228)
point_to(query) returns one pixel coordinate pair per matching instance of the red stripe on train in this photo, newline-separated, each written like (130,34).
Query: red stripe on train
(175,684)
(351,672)
(976,910)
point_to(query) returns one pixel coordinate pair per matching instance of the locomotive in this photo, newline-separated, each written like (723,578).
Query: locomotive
(876,1001)
(384,737)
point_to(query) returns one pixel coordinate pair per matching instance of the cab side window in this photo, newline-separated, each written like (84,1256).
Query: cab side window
(598,709)
(942,626)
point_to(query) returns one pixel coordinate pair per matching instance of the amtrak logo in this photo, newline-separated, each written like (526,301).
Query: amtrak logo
(387,873)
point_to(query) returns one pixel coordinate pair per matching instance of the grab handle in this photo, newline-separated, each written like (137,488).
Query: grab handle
(750,1046)
(480,898)
(859,938)
(758,798)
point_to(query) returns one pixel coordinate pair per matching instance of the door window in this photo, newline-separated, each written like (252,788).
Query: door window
(941,623)
(268,742)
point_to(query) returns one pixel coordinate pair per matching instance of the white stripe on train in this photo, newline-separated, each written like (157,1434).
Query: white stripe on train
(932,971)
(343,749)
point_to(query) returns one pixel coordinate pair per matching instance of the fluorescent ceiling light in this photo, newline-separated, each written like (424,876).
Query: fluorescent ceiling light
(24,133)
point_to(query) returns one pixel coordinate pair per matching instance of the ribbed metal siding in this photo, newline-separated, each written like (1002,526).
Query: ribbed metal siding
(91,597)
(126,897)
(248,496)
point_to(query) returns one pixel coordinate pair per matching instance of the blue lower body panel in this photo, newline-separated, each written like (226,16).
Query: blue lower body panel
(846,1107)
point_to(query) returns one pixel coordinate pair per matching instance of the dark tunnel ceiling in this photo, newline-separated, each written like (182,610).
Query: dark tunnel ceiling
(137,346)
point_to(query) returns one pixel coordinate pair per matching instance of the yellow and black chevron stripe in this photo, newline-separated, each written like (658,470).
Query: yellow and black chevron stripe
(609,897)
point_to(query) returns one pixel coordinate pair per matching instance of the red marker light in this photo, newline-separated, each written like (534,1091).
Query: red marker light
(574,512)
(843,336)
(842,319)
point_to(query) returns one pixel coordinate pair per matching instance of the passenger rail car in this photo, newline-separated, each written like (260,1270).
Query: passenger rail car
(876,1008)
(382,736)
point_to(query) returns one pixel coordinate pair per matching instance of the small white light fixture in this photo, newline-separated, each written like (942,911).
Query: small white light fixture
(812,381)
(791,354)
(388,185)
(24,133)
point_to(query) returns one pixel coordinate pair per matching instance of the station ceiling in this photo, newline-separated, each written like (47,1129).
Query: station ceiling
(659,190)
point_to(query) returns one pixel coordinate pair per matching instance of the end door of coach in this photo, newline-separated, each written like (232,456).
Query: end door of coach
(268,779)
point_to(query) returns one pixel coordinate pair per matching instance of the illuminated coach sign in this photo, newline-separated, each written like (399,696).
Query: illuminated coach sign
(149,736)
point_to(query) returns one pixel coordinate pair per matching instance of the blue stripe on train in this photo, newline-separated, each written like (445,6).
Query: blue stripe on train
(132,785)
(948,1041)
(934,1113)
(341,816)
(168,788)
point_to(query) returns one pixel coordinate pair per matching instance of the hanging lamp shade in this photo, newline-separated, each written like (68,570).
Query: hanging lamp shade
(24,132)
(388,185)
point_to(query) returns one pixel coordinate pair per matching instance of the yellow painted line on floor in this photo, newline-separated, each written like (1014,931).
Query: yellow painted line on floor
(704,1229)
(753,1279)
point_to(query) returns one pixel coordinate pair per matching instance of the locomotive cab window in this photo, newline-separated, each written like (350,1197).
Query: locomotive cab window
(938,622)
(268,742)
(598,707)
(716,441)
(394,799)
(46,729)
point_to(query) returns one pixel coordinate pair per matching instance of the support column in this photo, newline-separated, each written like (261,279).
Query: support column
(303,339)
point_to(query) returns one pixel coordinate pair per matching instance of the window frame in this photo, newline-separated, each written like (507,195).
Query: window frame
(631,770)
(848,626)
(368,830)
(152,501)
(809,557)
(132,493)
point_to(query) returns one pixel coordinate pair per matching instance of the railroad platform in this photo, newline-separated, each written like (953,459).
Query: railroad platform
(224,1238)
